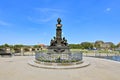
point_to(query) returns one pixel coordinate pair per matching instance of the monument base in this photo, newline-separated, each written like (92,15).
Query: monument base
(58,58)
(58,50)
(45,65)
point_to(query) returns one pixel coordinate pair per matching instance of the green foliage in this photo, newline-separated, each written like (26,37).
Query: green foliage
(75,46)
(87,45)
(18,46)
(1,46)
(5,46)
(118,45)
(84,45)
(37,46)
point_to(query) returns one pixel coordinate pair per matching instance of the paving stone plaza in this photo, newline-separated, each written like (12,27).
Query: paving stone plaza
(17,68)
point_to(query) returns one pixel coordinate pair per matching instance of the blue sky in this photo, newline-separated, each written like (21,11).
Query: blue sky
(34,21)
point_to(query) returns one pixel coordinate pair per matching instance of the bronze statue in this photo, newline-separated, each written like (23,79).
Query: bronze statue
(58,40)
(58,44)
(58,20)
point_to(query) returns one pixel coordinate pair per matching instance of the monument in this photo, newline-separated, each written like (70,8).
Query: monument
(58,51)
(59,45)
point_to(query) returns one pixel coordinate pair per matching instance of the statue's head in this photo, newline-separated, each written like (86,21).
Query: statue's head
(58,20)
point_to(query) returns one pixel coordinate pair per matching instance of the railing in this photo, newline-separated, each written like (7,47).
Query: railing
(29,53)
(100,54)
(110,56)
(64,57)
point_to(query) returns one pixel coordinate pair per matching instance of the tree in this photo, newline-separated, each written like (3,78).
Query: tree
(87,45)
(75,46)
(118,45)
(98,44)
(1,46)
(6,45)
(18,46)
(37,46)
(112,46)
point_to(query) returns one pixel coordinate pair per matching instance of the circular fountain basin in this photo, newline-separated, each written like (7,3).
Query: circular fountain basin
(47,65)
(58,61)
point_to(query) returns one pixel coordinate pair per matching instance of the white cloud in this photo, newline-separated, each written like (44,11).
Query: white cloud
(108,9)
(45,15)
(3,23)
(48,10)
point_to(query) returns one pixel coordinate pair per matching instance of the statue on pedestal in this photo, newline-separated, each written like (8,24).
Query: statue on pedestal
(58,44)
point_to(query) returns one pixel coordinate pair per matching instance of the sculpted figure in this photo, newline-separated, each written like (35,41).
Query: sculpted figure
(58,20)
(64,42)
(51,42)
(54,38)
